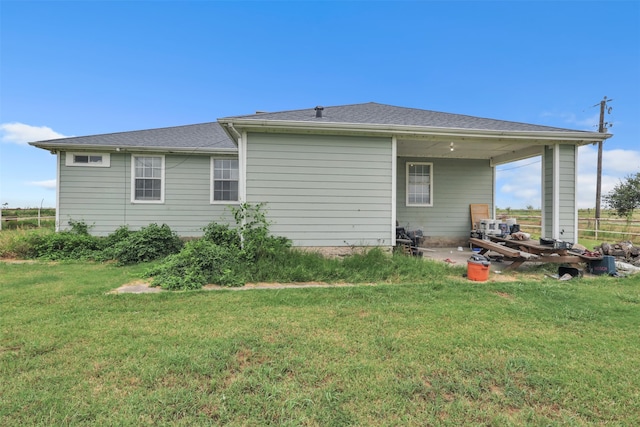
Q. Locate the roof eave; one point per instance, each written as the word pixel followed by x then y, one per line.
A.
pixel 581 137
pixel 51 146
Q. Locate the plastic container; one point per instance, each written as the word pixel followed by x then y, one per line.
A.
pixel 478 268
pixel 607 265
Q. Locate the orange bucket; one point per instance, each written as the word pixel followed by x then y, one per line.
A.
pixel 478 268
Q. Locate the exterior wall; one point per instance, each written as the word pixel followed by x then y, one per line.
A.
pixel 567 181
pixel 456 184
pixel 559 211
pixel 321 190
pixel 547 192
pixel 101 197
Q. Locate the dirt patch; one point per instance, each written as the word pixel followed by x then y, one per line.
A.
pixel 137 287
pixel 268 285
pixel 504 295
pixel 17 261
pixel 142 287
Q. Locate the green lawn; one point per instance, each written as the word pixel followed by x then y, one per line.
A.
pixel 444 352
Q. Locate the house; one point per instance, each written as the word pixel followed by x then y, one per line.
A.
pixel 331 177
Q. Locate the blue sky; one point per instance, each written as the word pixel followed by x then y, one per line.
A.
pixel 89 67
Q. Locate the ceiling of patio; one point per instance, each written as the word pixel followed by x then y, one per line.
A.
pixel 498 151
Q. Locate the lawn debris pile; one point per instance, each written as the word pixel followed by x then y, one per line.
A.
pixel 622 251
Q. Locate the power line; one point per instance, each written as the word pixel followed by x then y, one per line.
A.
pixel 517 167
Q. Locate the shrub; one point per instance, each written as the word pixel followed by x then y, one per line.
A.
pixel 222 234
pixel 149 243
pixel 65 245
pixel 253 227
pixel 226 256
pixel 19 243
pixel 79 227
pixel 198 263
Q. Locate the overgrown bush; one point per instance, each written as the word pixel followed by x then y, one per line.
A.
pixel 147 244
pixel 253 227
pixel 198 263
pixel 224 255
pixel 124 246
pixel 76 244
pixel 222 234
pixel 19 243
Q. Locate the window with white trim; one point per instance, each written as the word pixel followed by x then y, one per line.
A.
pixel 98 160
pixel 147 183
pixel 224 180
pixel 419 184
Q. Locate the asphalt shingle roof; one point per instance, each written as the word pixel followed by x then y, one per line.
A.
pixel 211 136
pixel 382 114
pixel 204 135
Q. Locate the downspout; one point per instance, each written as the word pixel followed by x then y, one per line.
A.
pixel 543 192
pixel 241 172
pixel 242 165
pixel 394 171
pixel 575 195
pixel 555 229
pixel 58 160
pixel 493 192
pixel 242 161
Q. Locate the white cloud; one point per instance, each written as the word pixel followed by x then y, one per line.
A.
pixel 49 184
pixel 19 133
pixel 617 164
pixel 589 123
pixel 519 183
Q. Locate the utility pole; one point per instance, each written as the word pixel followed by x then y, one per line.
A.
pixel 602 128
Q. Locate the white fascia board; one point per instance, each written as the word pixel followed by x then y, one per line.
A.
pixel 570 136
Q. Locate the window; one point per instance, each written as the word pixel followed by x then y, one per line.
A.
pixel 224 180
pixel 99 160
pixel 148 179
pixel 419 184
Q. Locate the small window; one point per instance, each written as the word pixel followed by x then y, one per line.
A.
pixel 99 160
pixel 419 184
pixel 147 185
pixel 224 180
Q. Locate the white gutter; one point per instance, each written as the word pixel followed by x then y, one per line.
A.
pixel 584 137
pixel 233 132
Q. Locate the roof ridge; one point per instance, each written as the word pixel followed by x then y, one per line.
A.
pixel 298 110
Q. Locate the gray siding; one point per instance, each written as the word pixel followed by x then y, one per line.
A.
pixel 547 197
pixel 566 193
pixel 101 197
pixel 456 184
pixel 323 190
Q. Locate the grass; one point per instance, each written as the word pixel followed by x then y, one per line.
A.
pixel 441 351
